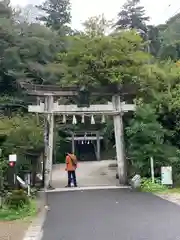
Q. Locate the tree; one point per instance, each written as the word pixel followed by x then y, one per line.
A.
pixel 146 138
pixel 3 168
pixel 56 15
pixel 153 37
pixel 21 134
pixel 102 60
pixel 169 36
pixel 170 32
pixel 5 9
pixel 170 51
pixel 8 38
pixel 26 50
pixel 97 26
pixel 132 16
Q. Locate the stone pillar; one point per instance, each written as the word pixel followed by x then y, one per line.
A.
pixel 98 146
pixel 51 142
pixel 50 137
pixel 119 139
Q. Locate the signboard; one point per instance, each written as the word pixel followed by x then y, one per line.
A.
pixel 12 158
pixel 166 175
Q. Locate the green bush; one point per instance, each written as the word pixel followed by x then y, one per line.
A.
pixel 17 199
pixel 148 186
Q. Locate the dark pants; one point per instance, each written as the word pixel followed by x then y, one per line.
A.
pixel 72 177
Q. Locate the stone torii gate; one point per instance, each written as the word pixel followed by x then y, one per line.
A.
pixel 49 106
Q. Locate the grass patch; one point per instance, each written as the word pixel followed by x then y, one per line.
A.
pixel 27 211
pixel 148 186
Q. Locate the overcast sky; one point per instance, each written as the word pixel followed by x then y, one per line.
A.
pixel 158 10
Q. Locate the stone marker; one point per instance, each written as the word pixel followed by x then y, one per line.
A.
pixel 136 181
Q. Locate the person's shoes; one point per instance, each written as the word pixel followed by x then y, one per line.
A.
pixel 67 186
pixel 75 186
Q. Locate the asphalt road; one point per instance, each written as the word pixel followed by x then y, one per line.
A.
pixel 118 214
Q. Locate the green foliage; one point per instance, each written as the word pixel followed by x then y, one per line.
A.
pixel 153 37
pixel 132 16
pixel 169 36
pixel 56 15
pixel 17 199
pixel 170 51
pixel 97 26
pixel 22 133
pixel 103 60
pixel 170 32
pixel 26 51
pixel 5 9
pixel 3 171
pixel 146 138
pixel 148 186
pixel 25 212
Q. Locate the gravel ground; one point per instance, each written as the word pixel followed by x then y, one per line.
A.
pixel 13 230
pixel 88 174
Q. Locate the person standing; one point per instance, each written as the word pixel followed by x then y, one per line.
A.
pixel 71 166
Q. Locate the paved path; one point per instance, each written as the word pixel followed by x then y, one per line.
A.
pixel 111 215
pixel 88 174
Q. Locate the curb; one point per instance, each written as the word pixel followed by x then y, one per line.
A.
pixel 87 188
pixel 169 197
pixel 35 230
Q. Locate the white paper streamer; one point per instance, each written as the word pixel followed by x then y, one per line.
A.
pixel 74 120
pixel 103 120
pixel 64 119
pixel 82 120
pixel 92 120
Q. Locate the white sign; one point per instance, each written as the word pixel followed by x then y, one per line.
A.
pixel 12 158
pixel 166 175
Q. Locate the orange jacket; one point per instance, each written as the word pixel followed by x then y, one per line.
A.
pixel 69 162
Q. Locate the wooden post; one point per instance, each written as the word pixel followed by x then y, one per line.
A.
pixel 119 139
pixel 98 146
pixel 152 169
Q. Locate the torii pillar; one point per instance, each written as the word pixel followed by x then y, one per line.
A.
pixel 119 139
pixel 49 130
